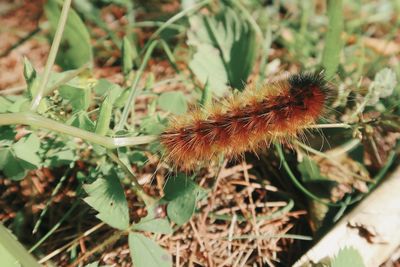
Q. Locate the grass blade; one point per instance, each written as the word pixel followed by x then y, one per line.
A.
pixel 333 42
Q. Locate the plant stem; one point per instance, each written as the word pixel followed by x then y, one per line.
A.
pixel 55 227
pixel 35 120
pixel 173 19
pixel 329 125
pixel 129 103
pixel 297 182
pixel 52 55
pixel 53 194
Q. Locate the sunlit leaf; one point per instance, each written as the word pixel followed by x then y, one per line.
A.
pixel 225 47
pixel 347 257
pixel 75 49
pixel 107 197
pixel 174 102
pixel 147 253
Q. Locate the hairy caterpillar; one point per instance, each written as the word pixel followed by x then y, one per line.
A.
pixel 246 121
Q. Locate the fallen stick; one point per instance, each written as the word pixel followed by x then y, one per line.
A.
pixel 372 228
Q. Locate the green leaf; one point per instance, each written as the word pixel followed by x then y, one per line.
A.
pixel 309 170
pixel 77 94
pixel 311 176
pixel 7 135
pixel 127 59
pixel 333 40
pixel 138 158
pixel 225 49
pixel 82 120
pixel 31 78
pixel 174 102
pixel 26 150
pixel 181 193
pixel 152 125
pixel 103 121
pixel 107 197
pixel 75 49
pixel 21 104
pixel 5 104
pixel 60 158
pixel 154 225
pixel 147 253
pixel 210 69
pixel 347 257
pixel 4 154
pixel 104 87
pixel 11 165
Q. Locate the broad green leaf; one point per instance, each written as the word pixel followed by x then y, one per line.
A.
pixel 12 252
pixel 147 253
pixel 347 257
pixel 138 158
pixel 225 49
pixel 154 225
pixel 152 125
pixel 181 194
pixel 104 87
pixel 4 154
pixel 77 94
pixel 11 165
pixel 21 104
pixel 26 150
pixel 75 49
pixel 7 134
pixel 4 104
pixel 62 157
pixel 210 69
pixel 174 102
pixel 309 170
pixel 107 197
pixel 82 120
pixel 311 176
pixel 127 59
pixel 116 94
pixel 333 40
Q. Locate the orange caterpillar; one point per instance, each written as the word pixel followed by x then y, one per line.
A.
pixel 246 121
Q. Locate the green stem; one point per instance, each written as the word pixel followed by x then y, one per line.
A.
pixel 173 19
pixel 38 121
pixel 53 194
pixel 329 125
pixel 129 103
pixel 143 24
pixel 52 55
pixel 55 227
pixel 297 182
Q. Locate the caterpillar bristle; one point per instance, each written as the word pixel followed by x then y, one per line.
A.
pixel 246 121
